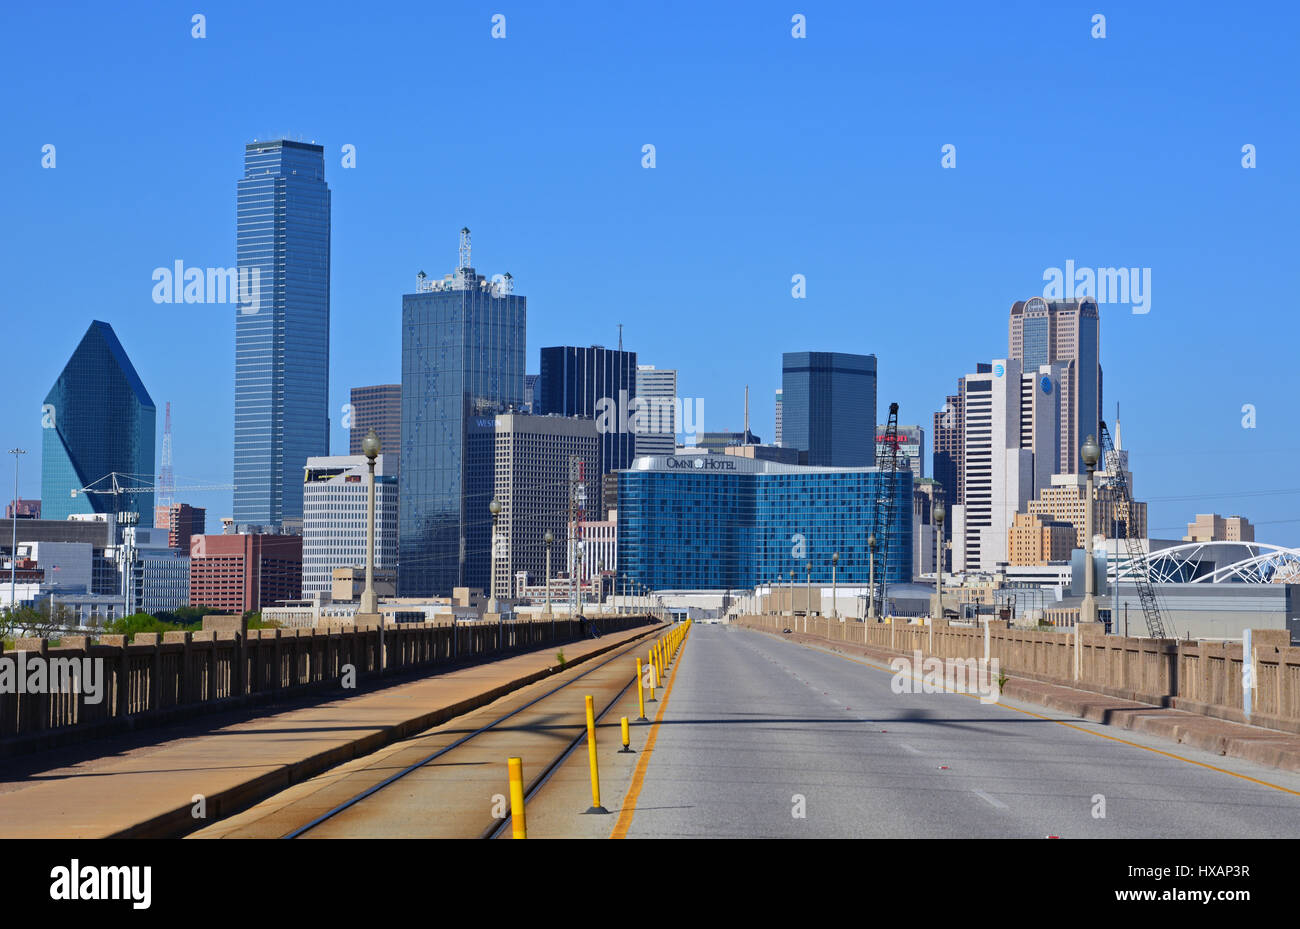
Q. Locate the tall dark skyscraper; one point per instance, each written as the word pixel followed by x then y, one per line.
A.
pixel 1044 332
pixel 282 335
pixel 828 407
pixel 463 347
pixel 378 408
pixel 595 383
pixel 97 418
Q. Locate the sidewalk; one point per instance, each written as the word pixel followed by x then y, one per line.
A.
pixel 152 790
pixel 1267 747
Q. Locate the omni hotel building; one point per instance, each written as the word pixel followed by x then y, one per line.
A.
pixel 694 521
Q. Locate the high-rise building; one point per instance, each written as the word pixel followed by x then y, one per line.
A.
pixel 828 407
pixel 1039 540
pixel 1068 332
pixel 534 456
pixel 1211 527
pixel 335 507
pixel 378 408
pixel 463 344
pixel 155 576
pixel 530 391
pixel 182 523
pixel 98 419
pixel 282 329
pixel 656 393
pixel 1065 501
pixel 777 438
pixel 595 383
pixel 718 441
pixel 244 572
pixel 911 449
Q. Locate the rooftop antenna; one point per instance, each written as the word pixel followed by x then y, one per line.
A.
pixel 746 414
pixel 620 337
pixel 167 478
pixel 1118 443
pixel 464 247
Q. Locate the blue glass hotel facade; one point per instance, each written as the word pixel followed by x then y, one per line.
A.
pixel 708 522
pixel 97 418
pixel 282 328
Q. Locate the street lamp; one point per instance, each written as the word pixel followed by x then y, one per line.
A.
pixel 939 515
pixel 549 538
pixel 1091 453
pixel 791 591
pixel 13 549
pixel 495 509
pixel 807 600
pixel 370 447
pixel 835 608
pixel 871 575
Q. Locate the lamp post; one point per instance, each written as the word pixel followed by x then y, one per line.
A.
pixel 807 599
pixel 1091 453
pixel 940 514
pixel 791 592
pixel 495 509
pixel 370 447
pixel 871 575
pixel 835 603
pixel 549 538
pixel 13 544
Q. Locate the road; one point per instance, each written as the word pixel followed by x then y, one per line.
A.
pixel 763 737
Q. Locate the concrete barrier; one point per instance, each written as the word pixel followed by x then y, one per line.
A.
pixel 158 679
pixel 1198 677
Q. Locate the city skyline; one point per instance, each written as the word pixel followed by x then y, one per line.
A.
pixel 968 284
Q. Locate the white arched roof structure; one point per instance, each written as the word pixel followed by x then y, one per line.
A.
pixel 1263 564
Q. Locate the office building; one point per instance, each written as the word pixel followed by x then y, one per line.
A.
pixel 154 576
pixel 950 444
pixel 595 383
pixel 182 522
pixel 656 396
pixel 1043 332
pixel 911 449
pixel 1211 527
pixel 1039 540
pixel 335 510
pixel 95 532
pixel 97 419
pixel 238 573
pixel 828 407
pixel 282 328
pixel 530 391
pixel 535 463
pixel 720 441
pixel 462 362
pixel 1064 500
pixel 701 521
pixel 378 408
pixel 776 439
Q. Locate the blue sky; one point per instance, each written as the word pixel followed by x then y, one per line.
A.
pixel 775 156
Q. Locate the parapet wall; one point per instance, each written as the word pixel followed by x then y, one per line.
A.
pixel 1199 677
pixel 156 679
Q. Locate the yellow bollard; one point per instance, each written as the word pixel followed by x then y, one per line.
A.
pixel 654 675
pixel 640 692
pixel 518 823
pixel 591 756
pixel 627 738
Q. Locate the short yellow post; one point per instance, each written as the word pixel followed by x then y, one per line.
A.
pixel 591 756
pixel 518 823
pixel 627 738
pixel 654 675
pixel 640 691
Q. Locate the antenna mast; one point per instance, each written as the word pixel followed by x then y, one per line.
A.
pixel 167 478
pixel 464 247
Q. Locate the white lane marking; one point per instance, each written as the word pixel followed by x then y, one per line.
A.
pixel 983 796
pixel 914 751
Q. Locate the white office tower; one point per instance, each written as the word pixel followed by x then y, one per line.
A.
pixel 334 507
pixel 154 576
pixel 656 396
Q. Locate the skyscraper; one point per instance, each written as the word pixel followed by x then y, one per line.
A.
pixel 378 408
pixel 1042 332
pixel 335 495
pixel 97 418
pixel 595 383
pixel 828 407
pixel 282 336
pixel 776 440
pixel 463 345
pixel 656 388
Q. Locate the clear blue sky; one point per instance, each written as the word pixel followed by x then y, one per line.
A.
pixel 775 156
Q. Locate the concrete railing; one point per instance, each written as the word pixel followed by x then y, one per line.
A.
pixel 156 679
pixel 1200 677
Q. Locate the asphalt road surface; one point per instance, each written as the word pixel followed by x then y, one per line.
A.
pixel 766 738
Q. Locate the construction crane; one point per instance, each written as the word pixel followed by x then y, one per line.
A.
pixel 1139 568
pixel 116 483
pixel 884 517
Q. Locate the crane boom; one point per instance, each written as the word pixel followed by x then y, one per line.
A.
pixel 884 517
pixel 1139 568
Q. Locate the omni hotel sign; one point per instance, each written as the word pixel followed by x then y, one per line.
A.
pixel 701 463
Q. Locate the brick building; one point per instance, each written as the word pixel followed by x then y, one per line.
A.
pixel 244 572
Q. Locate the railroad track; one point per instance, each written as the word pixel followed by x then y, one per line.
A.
pixel 446 782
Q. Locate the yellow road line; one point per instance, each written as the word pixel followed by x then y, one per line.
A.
pixel 638 777
pixel 1100 735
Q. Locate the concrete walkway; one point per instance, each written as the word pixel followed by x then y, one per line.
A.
pixel 155 790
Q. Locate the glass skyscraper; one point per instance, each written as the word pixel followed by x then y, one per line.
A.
pixel 828 407
pixel 282 328
pixel 702 522
pixel 463 346
pixel 98 418
pixel 594 383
